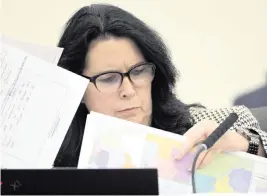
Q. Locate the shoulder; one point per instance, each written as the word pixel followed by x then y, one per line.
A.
pixel 219 111
pixel 245 117
pixel 245 120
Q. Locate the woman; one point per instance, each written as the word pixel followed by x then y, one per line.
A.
pixel 132 77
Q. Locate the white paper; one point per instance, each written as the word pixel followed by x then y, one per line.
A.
pixel 110 142
pixel 38 102
pixel 46 53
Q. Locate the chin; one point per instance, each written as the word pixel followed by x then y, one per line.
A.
pixel 137 120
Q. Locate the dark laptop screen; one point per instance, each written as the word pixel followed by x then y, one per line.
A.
pixel 80 182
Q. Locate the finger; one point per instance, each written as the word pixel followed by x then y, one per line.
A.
pixel 223 144
pixel 208 157
pixel 232 141
pixel 205 158
pixel 228 142
pixel 193 136
pixel 199 160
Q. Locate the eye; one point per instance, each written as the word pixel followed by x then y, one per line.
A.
pixel 109 78
pixel 138 70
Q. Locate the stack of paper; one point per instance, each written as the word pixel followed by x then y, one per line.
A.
pixel 122 144
pixel 38 102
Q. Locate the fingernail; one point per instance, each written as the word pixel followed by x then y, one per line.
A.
pixel 178 157
pixel 175 154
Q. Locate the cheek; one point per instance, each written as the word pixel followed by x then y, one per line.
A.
pixel 98 102
pixel 146 99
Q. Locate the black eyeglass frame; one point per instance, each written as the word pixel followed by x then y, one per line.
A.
pixel 123 74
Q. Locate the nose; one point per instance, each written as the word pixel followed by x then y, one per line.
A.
pixel 127 89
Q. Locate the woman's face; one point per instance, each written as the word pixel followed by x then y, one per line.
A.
pixel 126 101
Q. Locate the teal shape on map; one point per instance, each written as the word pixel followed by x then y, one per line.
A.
pixel 204 183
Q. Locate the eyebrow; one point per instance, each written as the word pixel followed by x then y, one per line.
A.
pixel 116 70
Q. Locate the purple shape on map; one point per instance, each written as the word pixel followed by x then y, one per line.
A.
pixel 183 175
pixel 102 159
pixel 240 180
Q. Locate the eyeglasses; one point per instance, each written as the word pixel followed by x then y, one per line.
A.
pixel 139 75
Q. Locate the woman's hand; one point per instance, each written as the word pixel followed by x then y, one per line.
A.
pixel 230 141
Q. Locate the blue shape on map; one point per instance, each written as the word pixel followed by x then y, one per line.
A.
pixel 102 158
pixel 204 183
pixel 150 153
pixel 240 180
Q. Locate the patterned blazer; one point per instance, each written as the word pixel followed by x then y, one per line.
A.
pixel 245 121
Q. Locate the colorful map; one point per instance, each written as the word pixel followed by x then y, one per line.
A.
pixel 234 175
pixel 107 152
pixel 227 173
pixel 160 152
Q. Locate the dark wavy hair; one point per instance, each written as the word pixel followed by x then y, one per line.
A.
pixel 98 21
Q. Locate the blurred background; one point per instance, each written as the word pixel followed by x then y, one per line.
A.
pixel 219 46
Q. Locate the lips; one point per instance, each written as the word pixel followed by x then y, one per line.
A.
pixel 129 109
pixel 128 112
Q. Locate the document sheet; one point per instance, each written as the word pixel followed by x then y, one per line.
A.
pixel 47 53
pixel 114 143
pixel 38 102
